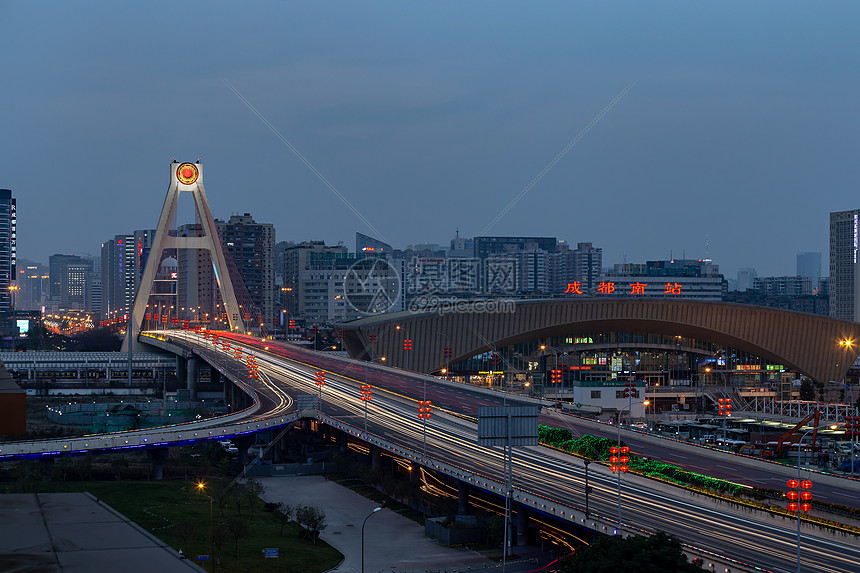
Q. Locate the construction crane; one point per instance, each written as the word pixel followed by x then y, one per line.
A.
pixel 813 416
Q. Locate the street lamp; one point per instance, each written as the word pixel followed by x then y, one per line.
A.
pixel 848 345
pixel 621 466
pixel 725 405
pixel 375 509
pixel 805 496
pixel 407 343
pixel 201 486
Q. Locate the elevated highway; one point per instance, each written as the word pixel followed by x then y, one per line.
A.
pixel 546 483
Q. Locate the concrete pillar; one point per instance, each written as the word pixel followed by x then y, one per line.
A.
pixel 242 444
pixel 180 368
pixel 46 465
pixel 156 458
pixel 522 526
pixel 375 458
pixel 462 497
pixel 191 378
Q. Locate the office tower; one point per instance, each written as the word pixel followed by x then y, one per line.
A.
pixel 366 244
pixel 843 264
pixel 123 259
pixel 746 278
pixel 586 265
pixel 809 265
pixel 8 240
pixel 70 282
pixel 252 248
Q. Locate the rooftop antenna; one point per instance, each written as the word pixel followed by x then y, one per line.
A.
pixel 708 247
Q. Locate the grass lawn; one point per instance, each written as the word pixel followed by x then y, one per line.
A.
pixel 158 505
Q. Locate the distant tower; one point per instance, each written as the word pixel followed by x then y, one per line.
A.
pixel 185 178
pixel 8 241
pixel 844 233
pixel 809 265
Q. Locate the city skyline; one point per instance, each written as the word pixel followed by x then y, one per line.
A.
pixel 734 141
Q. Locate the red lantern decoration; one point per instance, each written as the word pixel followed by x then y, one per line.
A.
pixel 805 507
pixel 806 495
pixel 613 459
pixel 613 450
pixel 625 449
pixel 613 468
pixel 625 469
pixel 793 483
pixel 792 495
pixel 806 484
pixel 792 506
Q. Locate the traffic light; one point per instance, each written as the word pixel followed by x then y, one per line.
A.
pixel 424 409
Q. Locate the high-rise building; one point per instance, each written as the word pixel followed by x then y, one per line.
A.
pixel 586 265
pixel 252 247
pixel 746 278
pixel 8 247
pixel 809 265
pixel 70 282
pixel 843 265
pixel 367 244
pixel 123 260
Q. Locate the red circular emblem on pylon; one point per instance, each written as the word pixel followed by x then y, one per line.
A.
pixel 187 173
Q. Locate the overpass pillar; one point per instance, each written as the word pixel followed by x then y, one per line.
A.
pixel 180 368
pixel 342 442
pixel 242 444
pixel 522 526
pixel 375 458
pixel 156 458
pixel 191 378
pixel 462 497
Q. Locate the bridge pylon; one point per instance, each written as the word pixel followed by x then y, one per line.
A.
pixel 185 178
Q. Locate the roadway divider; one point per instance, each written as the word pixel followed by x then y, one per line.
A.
pixel 778 469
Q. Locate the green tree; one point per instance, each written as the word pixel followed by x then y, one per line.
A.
pixel 659 553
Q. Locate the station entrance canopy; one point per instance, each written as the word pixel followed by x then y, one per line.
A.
pixel 818 347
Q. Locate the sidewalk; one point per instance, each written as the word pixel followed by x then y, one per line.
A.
pixel 393 543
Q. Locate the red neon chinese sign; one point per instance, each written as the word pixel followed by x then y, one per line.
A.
pixel 672 288
pixel 606 288
pixel 638 288
pixel 574 288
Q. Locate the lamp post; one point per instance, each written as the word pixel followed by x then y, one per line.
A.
pixel 587 488
pixel 804 496
pixel 202 487
pixel 407 343
pixel 375 509
pixel 725 405
pixel 848 345
pixel 622 460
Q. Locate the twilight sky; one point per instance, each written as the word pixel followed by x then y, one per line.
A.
pixel 738 137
